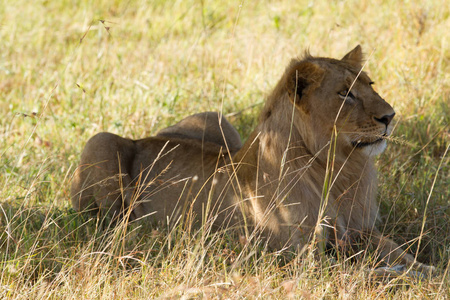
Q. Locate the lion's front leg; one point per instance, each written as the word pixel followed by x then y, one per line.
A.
pixel 392 253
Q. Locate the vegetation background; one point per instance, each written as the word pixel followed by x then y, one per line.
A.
pixel 69 69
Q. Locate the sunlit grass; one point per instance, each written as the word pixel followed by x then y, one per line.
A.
pixel 71 69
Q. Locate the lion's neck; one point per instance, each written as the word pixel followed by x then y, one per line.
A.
pixel 283 132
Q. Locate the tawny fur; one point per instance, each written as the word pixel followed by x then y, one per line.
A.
pixel 206 126
pixel 322 121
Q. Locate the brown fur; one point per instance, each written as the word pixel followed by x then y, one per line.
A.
pixel 310 132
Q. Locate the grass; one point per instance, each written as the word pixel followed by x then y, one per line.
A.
pixel 71 69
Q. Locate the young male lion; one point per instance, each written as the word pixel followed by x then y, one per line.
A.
pixel 306 170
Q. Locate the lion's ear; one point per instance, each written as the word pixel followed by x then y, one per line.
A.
pixel 354 57
pixel 303 77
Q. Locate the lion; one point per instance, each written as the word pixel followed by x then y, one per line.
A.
pixel 305 173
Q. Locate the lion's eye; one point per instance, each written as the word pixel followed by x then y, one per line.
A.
pixel 346 94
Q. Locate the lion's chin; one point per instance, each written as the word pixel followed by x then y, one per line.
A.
pixel 371 148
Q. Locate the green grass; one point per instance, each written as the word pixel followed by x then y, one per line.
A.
pixel 69 69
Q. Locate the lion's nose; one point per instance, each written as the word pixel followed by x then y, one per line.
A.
pixel 386 119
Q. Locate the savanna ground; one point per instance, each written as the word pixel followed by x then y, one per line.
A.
pixel 69 69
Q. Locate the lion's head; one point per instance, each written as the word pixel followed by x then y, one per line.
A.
pixel 335 95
